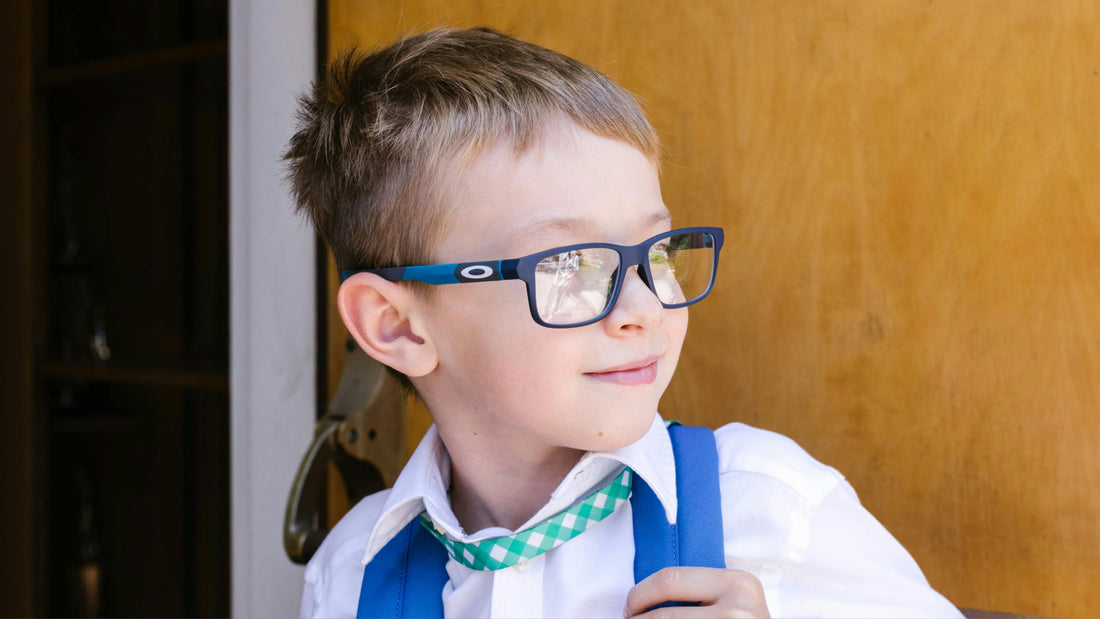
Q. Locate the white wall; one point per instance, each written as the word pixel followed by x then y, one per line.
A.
pixel 273 354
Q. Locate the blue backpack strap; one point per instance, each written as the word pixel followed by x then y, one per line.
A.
pixel 406 578
pixel 696 539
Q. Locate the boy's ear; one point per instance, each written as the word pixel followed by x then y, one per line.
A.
pixel 384 318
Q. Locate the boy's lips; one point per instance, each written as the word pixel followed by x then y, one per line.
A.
pixel 641 372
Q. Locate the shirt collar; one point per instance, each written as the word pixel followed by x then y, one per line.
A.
pixel 422 485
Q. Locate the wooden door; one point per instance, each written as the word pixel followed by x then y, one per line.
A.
pixel 911 282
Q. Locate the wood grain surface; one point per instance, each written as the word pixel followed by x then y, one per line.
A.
pixel 911 281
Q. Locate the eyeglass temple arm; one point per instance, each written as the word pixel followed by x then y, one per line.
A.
pixel 453 273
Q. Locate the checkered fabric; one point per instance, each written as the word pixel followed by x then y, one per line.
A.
pixel 508 550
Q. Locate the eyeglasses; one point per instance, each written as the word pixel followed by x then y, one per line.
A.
pixel 578 285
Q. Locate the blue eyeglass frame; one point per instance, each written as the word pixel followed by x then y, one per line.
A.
pixel 524 269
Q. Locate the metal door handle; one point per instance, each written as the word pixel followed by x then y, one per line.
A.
pixel 302 533
pixel 364 433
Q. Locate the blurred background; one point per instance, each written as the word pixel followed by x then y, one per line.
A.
pixel 910 286
pixel 117 195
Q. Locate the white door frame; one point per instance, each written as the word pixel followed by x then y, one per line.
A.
pixel 272 53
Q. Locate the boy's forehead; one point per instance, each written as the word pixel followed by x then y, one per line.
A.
pixel 507 151
pixel 569 186
pixel 504 153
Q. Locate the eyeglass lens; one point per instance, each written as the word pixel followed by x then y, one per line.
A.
pixel 576 286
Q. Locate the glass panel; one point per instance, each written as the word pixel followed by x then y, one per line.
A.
pixel 574 286
pixel 682 267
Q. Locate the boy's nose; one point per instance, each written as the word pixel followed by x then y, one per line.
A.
pixel 637 306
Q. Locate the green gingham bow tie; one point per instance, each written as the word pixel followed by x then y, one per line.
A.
pixel 508 550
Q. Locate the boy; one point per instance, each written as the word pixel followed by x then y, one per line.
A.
pixel 468 149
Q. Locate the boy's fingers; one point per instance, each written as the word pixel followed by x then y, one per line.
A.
pixel 695 612
pixel 725 593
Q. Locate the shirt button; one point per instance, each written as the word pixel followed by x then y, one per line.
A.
pixel 522 566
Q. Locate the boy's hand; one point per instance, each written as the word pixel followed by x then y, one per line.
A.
pixel 720 593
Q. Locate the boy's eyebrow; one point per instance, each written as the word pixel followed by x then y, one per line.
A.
pixel 580 225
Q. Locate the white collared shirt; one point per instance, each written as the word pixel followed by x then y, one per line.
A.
pixel 792 522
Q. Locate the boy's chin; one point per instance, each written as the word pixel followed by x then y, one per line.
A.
pixel 628 433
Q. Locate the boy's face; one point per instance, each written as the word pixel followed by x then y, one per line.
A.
pixel 518 386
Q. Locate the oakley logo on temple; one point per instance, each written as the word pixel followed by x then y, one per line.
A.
pixel 476 272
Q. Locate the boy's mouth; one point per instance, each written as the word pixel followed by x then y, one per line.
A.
pixel 641 372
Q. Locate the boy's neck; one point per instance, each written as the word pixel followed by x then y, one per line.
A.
pixel 504 492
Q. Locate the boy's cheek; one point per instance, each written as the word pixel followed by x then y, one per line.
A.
pixel 678 319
